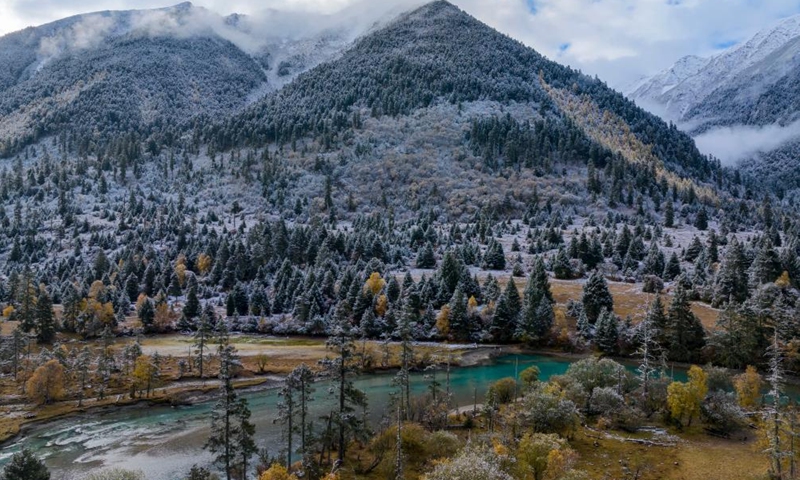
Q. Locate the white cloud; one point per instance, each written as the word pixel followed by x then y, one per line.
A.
pixel 733 144
pixel 619 40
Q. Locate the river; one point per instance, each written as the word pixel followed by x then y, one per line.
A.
pixel 164 442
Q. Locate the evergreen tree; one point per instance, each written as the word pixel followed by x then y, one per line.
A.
pixel 654 262
pixel 450 273
pixel 669 215
pixel 203 336
pixel 459 319
pixel 147 314
pixel 192 307
pixel 561 266
pixel 494 258
pixel 701 219
pixel 340 370
pixel 766 267
pixel 736 338
pixel 231 439
pixel 672 269
pixel 596 296
pixel 685 333
pixel 506 313
pixel 425 257
pixel 25 466
pixel 45 319
pixel 731 280
pixel 537 317
pixel 607 332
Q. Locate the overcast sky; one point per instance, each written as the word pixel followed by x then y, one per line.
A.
pixel 619 40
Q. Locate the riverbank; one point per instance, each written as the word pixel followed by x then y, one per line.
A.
pixel 16 418
pixel 283 355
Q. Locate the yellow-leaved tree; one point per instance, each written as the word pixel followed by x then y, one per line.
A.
pixel 203 263
pixel 443 321
pixel 684 399
pixel 748 387
pixel 47 383
pixel 381 306
pixel 375 283
pixel 277 472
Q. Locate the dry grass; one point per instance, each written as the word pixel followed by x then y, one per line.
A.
pixel 7 328
pixel 695 457
pixel 628 299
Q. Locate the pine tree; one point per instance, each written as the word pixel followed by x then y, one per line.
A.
pixel 203 336
pixel 494 258
pixel 731 280
pixel 649 348
pixel 231 439
pixel 537 317
pixel 25 466
pixel 672 269
pixel 299 386
pixel 561 266
pixel 192 307
pixel 654 262
pixel 766 267
pixel 596 296
pixel 340 370
pixel 773 413
pixel 425 257
pixel 607 331
pixel 669 215
pixel 506 313
pixel 45 319
pixel 701 220
pixel 583 326
pixel 406 325
pixel 685 333
pixel 458 317
pixel 147 314
pixel 450 272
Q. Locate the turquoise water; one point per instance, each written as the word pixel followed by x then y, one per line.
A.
pixel 165 442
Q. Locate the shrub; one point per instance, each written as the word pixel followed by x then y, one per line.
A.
pixel 502 391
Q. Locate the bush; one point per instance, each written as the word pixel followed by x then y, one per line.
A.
pixel 529 377
pixel 502 391
pixel 473 463
pixel 721 411
pixel 546 412
pixel 652 284
pixel 25 466
pixel 117 474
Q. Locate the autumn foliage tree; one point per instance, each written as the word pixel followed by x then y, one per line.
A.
pixel 684 398
pixel 47 383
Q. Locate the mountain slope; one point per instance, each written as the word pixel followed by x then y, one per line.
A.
pixel 432 55
pixel 116 73
pixel 703 93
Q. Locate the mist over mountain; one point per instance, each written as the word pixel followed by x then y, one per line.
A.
pixel 740 105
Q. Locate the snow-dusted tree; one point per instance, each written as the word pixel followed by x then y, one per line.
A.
pixel 340 370
pixel 231 439
pixel 685 334
pixel 774 421
pixel 596 296
pixel 506 312
pixel 202 337
pixel 536 318
pixel 607 331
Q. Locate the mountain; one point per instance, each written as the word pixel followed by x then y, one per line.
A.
pixel 742 105
pixel 432 116
pixel 750 83
pixel 153 72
